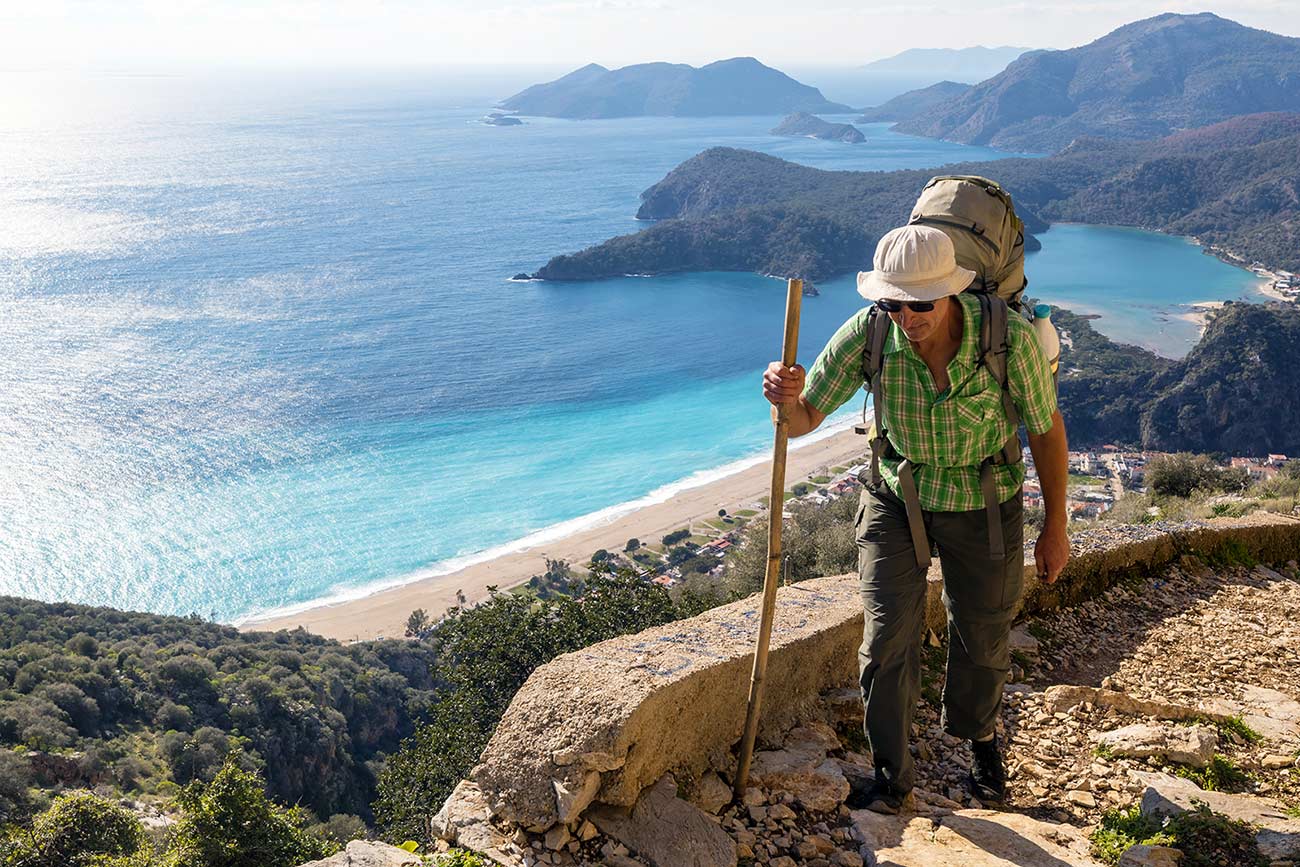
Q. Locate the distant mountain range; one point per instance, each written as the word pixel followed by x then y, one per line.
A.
pixel 956 64
pixel 914 103
pixel 1142 81
pixel 737 86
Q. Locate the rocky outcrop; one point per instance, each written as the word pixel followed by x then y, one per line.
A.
pixel 1143 855
pixel 1193 746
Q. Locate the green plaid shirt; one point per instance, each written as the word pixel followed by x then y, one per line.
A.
pixel 946 434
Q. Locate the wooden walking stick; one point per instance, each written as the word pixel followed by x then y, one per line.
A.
pixel 775 509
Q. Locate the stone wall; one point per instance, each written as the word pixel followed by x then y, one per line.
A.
pixel 599 727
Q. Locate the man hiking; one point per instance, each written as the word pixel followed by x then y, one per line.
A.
pixel 942 422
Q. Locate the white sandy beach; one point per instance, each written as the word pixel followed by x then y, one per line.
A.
pixel 384 613
pixel 1200 316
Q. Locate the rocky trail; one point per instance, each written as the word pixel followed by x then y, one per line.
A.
pixel 1177 689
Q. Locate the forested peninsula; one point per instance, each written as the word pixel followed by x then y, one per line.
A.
pixel 1231 185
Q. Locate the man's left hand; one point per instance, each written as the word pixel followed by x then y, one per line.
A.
pixel 1051 552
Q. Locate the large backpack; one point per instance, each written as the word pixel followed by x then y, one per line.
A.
pixel 987 235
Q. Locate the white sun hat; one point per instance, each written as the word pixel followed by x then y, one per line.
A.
pixel 914 263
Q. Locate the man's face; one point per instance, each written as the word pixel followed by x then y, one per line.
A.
pixel 920 326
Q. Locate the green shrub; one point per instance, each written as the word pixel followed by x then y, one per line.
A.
pixel 1120 829
pixel 1236 726
pixel 1206 838
pixel 1178 475
pixel 1221 775
pixel 1209 839
pixel 231 823
pixel 77 830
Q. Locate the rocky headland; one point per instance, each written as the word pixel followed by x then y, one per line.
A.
pixel 914 103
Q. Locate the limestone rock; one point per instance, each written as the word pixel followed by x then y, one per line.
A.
pixel 816 781
pixel 711 793
pixel 1150 856
pixel 558 837
pixel 465 821
pixel 1279 834
pixel 1080 798
pixel 812 737
pixel 1185 745
pixel 1021 641
pixel 572 798
pixel 970 838
pixel 666 830
pixel 1063 698
pixel 844 705
pixel 465 806
pixel 368 853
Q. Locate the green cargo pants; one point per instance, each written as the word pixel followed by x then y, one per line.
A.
pixel 980 596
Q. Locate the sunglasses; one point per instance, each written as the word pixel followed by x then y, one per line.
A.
pixel 890 306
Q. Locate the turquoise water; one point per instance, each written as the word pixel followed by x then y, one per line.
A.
pixel 261 348
pixel 1136 282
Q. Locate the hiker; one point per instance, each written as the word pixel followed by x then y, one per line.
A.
pixel 943 475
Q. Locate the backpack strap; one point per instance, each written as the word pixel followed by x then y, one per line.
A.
pixel 872 364
pixel 995 348
pixel 877 331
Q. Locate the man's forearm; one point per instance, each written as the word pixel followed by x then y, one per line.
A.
pixel 798 417
pixel 1052 459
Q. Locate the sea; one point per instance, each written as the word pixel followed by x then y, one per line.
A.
pixel 260 347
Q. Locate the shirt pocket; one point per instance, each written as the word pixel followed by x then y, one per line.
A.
pixel 975 413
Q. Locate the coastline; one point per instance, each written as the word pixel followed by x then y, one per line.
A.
pixel 1200 316
pixel 383 614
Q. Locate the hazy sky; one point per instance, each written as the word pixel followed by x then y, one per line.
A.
pixel 152 33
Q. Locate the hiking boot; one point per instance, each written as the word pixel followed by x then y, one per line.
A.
pixel 878 797
pixel 988 779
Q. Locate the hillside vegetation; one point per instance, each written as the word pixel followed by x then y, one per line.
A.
pixel 1233 393
pixel 144 704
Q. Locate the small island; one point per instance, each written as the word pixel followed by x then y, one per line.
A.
pixel 502 120
pixel 737 86
pixel 801 123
